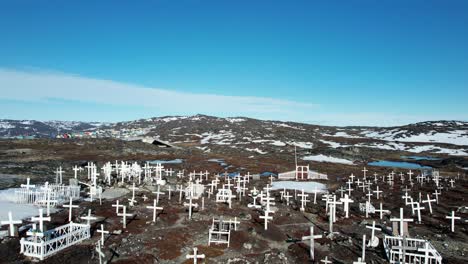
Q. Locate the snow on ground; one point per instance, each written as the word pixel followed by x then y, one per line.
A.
pixel 333 144
pixel 221 136
pixel 308 186
pixel 235 120
pixel 278 143
pixel 455 137
pixel 344 135
pixel 323 158
pixel 387 146
pixel 173 118
pixel 416 149
pixel 306 145
pixel 19 211
pixel 256 150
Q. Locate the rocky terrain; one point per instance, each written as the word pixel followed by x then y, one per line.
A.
pixel 244 145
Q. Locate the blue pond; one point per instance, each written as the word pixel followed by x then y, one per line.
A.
pixel 175 161
pixel 420 158
pixel 398 164
pixel 268 174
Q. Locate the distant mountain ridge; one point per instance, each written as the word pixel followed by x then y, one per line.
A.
pixel 260 136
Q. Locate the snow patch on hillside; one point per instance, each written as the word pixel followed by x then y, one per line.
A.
pixel 323 158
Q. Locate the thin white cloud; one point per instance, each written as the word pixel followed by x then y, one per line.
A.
pixel 43 85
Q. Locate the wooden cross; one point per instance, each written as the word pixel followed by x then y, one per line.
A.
pixel 100 253
pixel 428 201
pixel 158 192
pixel 373 228
pixel 88 218
pixel 311 238
pixel 402 220
pixel 41 220
pixel 70 209
pixel 453 218
pixel 117 206
pixel 11 223
pixel 346 201
pixel 124 215
pixel 155 208
pixel 195 256
pixel 27 185
pixel 266 217
pixel 103 232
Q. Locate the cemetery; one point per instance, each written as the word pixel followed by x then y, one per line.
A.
pixel 109 201
pixel 154 210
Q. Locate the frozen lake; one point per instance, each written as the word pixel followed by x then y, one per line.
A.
pixel 398 164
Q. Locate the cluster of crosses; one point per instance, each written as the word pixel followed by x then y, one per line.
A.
pixel 225 189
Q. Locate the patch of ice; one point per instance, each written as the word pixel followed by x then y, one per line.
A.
pixel 323 158
pixel 308 186
pixel 19 211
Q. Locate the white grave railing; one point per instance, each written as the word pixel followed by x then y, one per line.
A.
pixel 395 254
pixel 40 195
pixel 311 175
pixel 54 240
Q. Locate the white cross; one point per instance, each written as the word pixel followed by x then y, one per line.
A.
pixel 154 207
pixel 381 211
pixel 401 220
pixel 311 238
pixel 158 192
pixel 436 193
pixel 11 223
pixel 103 232
pixel 346 201
pixel 70 209
pixel 266 217
pixel 88 218
pixel 326 261
pixel 195 256
pixel 303 200
pixel 373 228
pixel 59 175
pixel 41 220
pixel 452 181
pixel 124 216
pixel 452 218
pixel 428 201
pixel 190 205
pixel 287 196
pixel 377 192
pixel 364 170
pixel 27 185
pixel 410 173
pixel 418 208
pixel 100 253
pixel 117 206
pixel 76 169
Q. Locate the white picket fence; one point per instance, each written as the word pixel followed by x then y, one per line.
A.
pixel 54 240
pixel 311 175
pixel 57 193
pixel 411 254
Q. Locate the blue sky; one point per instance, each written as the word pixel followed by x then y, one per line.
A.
pixel 327 62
